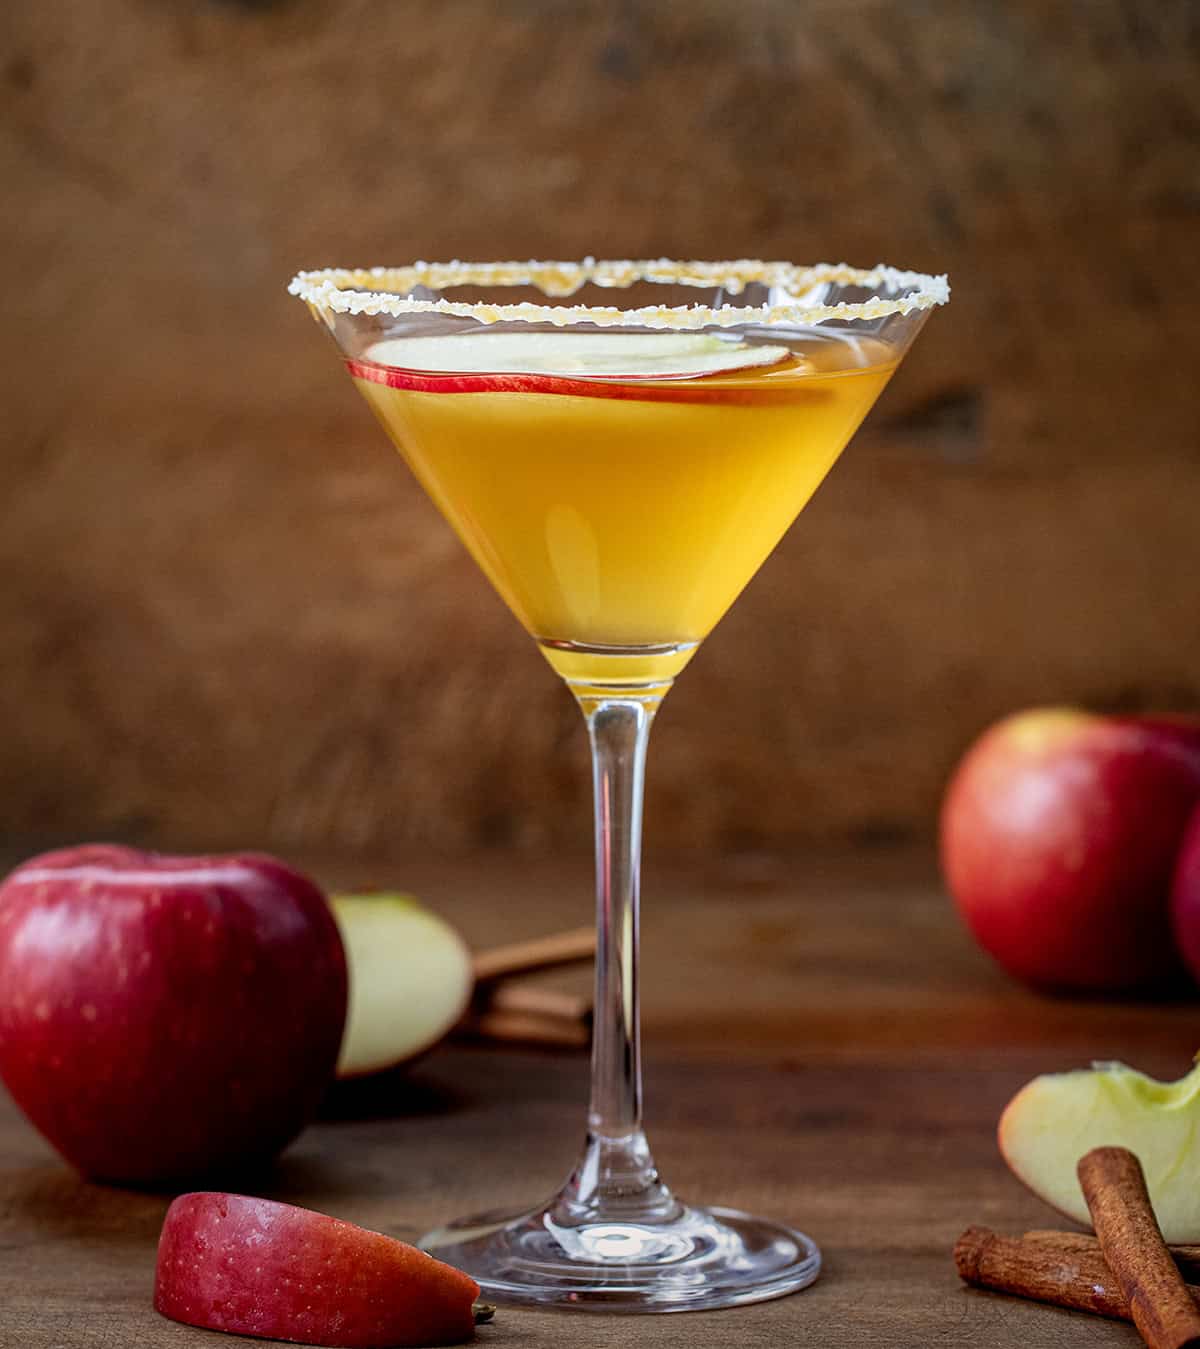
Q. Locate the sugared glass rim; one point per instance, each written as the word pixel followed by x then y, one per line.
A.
pixel 385 290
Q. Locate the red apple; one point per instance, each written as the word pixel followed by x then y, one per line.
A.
pixel 255 1267
pixel 1185 897
pixel 1059 834
pixel 163 1017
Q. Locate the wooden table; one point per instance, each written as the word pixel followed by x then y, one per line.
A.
pixel 823 1045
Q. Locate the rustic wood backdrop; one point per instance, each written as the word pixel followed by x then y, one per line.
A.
pixel 227 613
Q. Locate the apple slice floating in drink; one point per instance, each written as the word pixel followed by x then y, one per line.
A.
pixel 256 1267
pixel 598 355
pixel 627 365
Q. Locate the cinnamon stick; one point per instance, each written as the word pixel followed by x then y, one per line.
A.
pixel 1066 1269
pixel 552 1002
pixel 1186 1257
pixel 525 1028
pixel 542 953
pixel 1159 1302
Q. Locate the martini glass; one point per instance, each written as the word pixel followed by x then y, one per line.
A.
pixel 620 445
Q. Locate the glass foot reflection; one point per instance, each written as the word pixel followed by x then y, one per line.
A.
pixel 698 1258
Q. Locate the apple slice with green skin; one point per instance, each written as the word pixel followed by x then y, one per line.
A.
pixel 1056 1118
pixel 661 366
pixel 411 979
pixel 256 1267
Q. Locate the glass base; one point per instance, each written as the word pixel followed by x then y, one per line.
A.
pixel 697 1260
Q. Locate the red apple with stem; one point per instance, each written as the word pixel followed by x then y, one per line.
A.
pixel 256 1267
pixel 1059 835
pixel 164 1017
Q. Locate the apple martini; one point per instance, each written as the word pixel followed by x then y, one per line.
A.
pixel 620 445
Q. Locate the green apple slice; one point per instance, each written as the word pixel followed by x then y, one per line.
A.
pixel 1053 1120
pixel 604 354
pixel 411 979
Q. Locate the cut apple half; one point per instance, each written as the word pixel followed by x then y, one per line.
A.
pixel 1058 1117
pixel 411 979
pixel 598 355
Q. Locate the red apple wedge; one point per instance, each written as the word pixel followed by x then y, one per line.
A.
pixel 1056 1118
pixel 255 1267
pixel 1059 835
pixel 165 1017
pixel 411 980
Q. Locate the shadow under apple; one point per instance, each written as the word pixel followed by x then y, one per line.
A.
pixel 398 1094
pixel 56 1201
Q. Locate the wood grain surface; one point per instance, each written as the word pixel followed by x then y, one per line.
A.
pixel 824 1046
pixel 226 609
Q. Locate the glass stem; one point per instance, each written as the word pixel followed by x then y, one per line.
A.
pixel 619 733
pixel 617 1177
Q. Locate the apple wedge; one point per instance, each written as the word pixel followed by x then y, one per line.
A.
pixel 411 979
pixel 1056 1118
pixel 256 1267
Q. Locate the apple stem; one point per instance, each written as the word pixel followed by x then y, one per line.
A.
pixel 484 1312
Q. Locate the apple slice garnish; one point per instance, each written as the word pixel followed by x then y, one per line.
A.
pixel 662 366
pixel 256 1267
pixel 411 979
pixel 605 354
pixel 1058 1117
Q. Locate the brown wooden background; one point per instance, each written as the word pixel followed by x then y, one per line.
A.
pixel 226 612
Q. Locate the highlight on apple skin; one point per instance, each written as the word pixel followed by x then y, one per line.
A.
pixel 167 1017
pixel 1185 897
pixel 256 1267
pixel 1059 835
pixel 411 979
pixel 1053 1120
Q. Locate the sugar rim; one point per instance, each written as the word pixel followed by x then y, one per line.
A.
pixel 382 290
